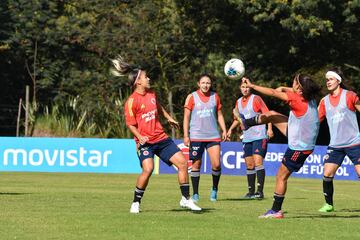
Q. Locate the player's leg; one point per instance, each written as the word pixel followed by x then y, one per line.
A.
pixel 169 153
pixel 196 150
pixel 260 153
pixel 332 161
pixel 141 183
pixel 213 149
pixel 250 170
pixel 277 119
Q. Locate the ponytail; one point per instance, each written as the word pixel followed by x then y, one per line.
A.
pixel 122 68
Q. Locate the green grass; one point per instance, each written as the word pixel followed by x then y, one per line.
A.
pixel 96 206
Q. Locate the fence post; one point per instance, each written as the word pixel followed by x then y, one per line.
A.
pixel 27 105
pixel 18 118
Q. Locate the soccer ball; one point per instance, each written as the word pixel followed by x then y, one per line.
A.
pixel 234 69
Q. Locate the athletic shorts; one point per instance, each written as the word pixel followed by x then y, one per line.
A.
pixel 255 147
pixel 294 159
pixel 196 149
pixel 164 149
pixel 337 155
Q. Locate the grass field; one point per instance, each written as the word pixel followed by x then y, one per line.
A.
pixel 96 206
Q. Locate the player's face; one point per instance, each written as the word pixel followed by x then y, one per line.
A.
pixel 144 80
pixel 245 90
pixel 204 84
pixel 332 83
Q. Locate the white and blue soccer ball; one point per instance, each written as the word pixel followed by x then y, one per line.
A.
pixel 234 69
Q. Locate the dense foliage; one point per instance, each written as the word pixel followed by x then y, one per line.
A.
pixel 62 49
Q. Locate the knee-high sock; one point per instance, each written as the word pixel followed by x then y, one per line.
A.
pixel 260 174
pixel 328 189
pixel 195 179
pixel 216 178
pixel 138 194
pixel 278 201
pixel 251 175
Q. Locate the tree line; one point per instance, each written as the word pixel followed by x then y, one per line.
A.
pixel 62 49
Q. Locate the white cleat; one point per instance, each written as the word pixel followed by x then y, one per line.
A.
pixel 189 204
pixel 135 207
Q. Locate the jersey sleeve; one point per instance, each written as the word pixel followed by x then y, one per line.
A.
pixel 130 112
pixel 351 100
pixel 259 105
pixel 218 102
pixel 297 103
pixel 322 110
pixel 189 102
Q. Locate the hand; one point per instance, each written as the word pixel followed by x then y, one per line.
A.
pixel 228 135
pixel 143 140
pixel 173 123
pixel 223 136
pixel 270 133
pixel 247 81
pixel 187 141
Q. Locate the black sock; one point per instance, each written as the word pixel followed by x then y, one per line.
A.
pixel 216 178
pixel 251 121
pixel 260 174
pixel 195 179
pixel 185 190
pixel 138 194
pixel 251 175
pixel 328 189
pixel 278 201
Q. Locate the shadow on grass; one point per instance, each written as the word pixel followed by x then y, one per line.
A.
pixel 13 193
pixel 203 211
pixel 349 210
pixel 325 215
pixel 240 199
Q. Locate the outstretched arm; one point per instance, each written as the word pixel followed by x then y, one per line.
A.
pixel 280 94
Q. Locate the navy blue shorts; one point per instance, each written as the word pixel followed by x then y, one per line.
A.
pixel 294 159
pixel 337 155
pixel 196 149
pixel 164 149
pixel 255 147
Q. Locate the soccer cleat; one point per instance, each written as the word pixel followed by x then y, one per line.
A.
pixel 327 208
pixel 272 214
pixel 135 207
pixel 213 195
pixel 189 204
pixel 259 195
pixel 249 196
pixel 241 118
pixel 195 197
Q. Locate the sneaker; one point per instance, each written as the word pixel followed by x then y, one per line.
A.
pixel 189 204
pixel 249 196
pixel 135 207
pixel 241 118
pixel 272 214
pixel 259 195
pixel 327 208
pixel 213 195
pixel 195 197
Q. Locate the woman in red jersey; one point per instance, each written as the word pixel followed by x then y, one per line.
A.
pixel 202 113
pixel 301 129
pixel 339 107
pixel 255 140
pixel 142 112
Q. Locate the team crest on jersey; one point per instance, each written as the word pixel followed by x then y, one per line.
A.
pixel 153 101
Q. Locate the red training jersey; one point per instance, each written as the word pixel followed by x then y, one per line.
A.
pixel 351 100
pixel 141 111
pixel 297 103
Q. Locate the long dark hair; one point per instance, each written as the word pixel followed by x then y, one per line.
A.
pixel 122 68
pixel 310 88
pixel 341 74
